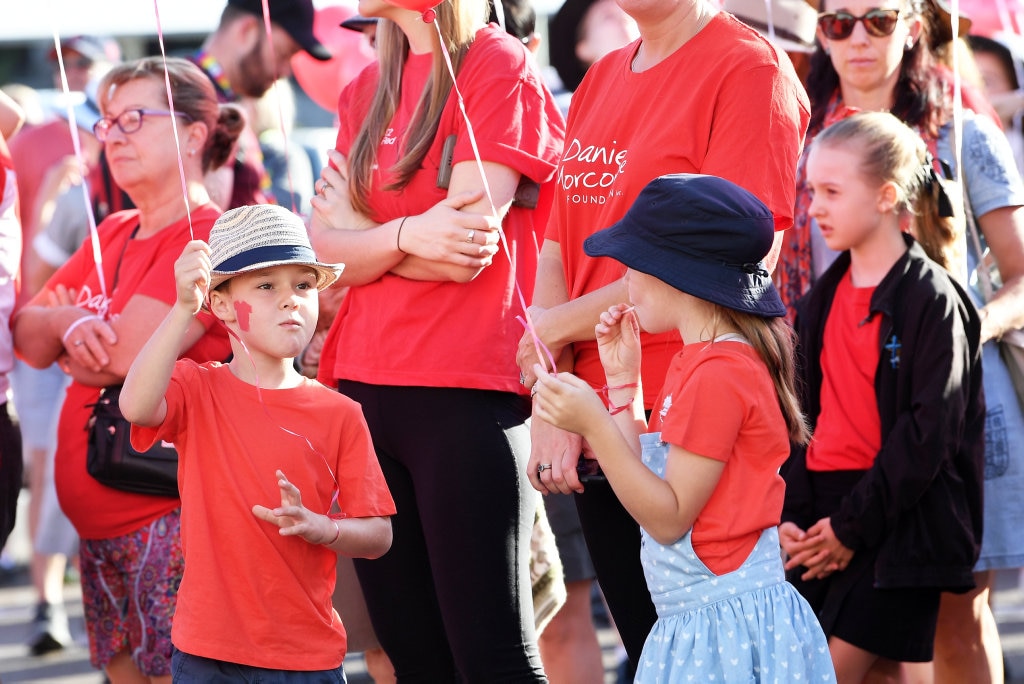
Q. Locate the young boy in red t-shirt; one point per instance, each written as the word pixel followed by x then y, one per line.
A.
pixel 248 432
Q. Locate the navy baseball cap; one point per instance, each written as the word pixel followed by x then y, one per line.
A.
pixel 295 17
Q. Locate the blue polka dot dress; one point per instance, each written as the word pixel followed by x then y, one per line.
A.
pixel 749 625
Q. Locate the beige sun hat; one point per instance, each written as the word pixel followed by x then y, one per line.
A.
pixel 789 24
pixel 260 236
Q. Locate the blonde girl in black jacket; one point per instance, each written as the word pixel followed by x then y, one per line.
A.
pixel 883 509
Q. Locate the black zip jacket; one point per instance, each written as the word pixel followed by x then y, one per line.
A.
pixel 920 504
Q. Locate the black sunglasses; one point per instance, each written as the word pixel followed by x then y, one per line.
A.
pixel 839 25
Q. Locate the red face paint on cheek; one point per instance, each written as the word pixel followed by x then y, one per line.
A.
pixel 242 311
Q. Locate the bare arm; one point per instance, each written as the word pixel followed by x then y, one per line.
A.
pixel 438 236
pixel 1004 233
pixel 666 508
pixel 38 330
pixel 142 397
pixel 12 116
pixel 502 182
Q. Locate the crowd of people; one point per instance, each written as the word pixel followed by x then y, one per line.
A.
pixel 719 295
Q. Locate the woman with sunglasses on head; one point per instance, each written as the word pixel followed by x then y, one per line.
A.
pixel 873 56
pixel 93 316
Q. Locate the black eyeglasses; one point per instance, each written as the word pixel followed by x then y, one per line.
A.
pixel 839 25
pixel 129 121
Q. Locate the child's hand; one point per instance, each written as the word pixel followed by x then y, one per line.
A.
pixel 790 538
pixel 819 550
pixel 192 275
pixel 565 401
pixel 293 518
pixel 618 343
pixel 834 557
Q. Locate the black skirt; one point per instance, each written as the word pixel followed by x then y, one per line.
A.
pixel 898 624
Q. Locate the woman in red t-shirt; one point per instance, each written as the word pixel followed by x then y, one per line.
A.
pixel 92 319
pixel 425 339
pixel 710 96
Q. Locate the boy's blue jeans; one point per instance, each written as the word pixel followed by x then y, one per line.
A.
pixel 189 669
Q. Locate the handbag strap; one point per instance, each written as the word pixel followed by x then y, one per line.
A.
pixel 120 258
pixel 973 233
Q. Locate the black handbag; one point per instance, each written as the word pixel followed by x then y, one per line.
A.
pixel 112 461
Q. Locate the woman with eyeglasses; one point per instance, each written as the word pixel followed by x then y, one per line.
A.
pixel 93 316
pixel 873 56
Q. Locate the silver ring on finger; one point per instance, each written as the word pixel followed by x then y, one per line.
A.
pixel 542 467
pixel 470 236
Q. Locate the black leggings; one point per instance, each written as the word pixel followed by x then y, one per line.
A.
pixel 613 539
pixel 451 601
pixel 11 470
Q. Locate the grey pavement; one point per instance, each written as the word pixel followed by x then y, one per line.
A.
pixel 71 665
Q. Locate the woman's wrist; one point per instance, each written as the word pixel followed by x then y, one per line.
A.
pixel 398 235
pixel 335 536
pixel 77 322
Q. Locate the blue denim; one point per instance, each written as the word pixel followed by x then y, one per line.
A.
pixel 189 669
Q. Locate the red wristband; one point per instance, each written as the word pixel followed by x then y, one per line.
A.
pixel 612 408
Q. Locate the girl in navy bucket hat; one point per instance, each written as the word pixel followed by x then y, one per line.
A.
pixel 693 246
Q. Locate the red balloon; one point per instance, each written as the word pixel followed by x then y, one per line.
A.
pixel 324 81
pixel 987 20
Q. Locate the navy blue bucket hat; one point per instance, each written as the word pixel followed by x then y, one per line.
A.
pixel 702 235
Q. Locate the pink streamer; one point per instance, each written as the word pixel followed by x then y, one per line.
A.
pixel 266 410
pixel 174 126
pixel 76 143
pixel 525 319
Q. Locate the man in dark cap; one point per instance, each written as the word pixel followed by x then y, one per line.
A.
pixel 239 58
pixel 242 61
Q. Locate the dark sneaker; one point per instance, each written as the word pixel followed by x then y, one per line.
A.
pixel 50 630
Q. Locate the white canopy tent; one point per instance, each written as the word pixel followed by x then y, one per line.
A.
pixel 37 19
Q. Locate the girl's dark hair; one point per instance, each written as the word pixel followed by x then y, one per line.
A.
pixel 922 97
pixel 193 95
pixel 988 46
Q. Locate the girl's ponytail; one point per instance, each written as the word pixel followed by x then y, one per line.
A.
pixel 933 224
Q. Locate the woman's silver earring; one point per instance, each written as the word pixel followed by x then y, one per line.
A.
pixel 910 43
